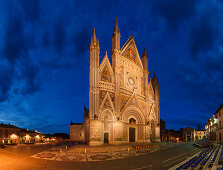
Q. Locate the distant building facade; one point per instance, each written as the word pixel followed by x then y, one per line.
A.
pixel 123 102
pixel 200 134
pixel 164 133
pixel 214 128
pixel 10 134
pixel 189 134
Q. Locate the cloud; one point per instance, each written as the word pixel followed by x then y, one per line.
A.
pixel 6 80
pixel 206 30
pixel 174 11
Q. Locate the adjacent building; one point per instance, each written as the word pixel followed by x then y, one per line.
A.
pixel 189 134
pixel 214 129
pixel 123 100
pixel 10 134
pixel 164 133
pixel 200 134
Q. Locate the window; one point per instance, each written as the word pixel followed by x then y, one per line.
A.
pixel 132 120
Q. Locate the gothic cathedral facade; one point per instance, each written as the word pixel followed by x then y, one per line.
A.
pixel 123 102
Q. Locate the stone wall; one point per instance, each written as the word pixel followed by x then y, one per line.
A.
pixel 77 133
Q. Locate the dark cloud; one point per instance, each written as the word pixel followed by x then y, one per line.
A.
pixel 29 74
pixel 205 32
pixel 59 35
pixel 174 11
pixel 6 80
pixel 31 10
pixel 14 39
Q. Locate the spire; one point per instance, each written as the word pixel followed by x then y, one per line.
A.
pixel 116 25
pixel 144 59
pixel 116 38
pixel 154 75
pixel 94 36
pixel 144 52
pixel 94 41
pixel 97 43
pixel 106 53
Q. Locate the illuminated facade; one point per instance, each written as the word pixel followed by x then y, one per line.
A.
pixel 189 134
pixel 214 128
pixel 200 134
pixel 123 101
pixel 10 134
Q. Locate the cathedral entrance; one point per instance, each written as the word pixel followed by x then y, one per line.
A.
pixel 105 137
pixel 131 134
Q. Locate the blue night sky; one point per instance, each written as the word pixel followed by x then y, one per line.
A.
pixel 44 57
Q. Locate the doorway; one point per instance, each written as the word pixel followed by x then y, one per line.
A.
pixel 131 134
pixel 105 137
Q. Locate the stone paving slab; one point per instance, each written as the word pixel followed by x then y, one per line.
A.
pixel 60 154
pixel 67 156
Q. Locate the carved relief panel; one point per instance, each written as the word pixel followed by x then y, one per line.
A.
pixel 121 76
pixel 102 94
pixel 124 100
pixel 142 86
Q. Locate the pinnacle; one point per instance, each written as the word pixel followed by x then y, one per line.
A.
pixel 94 36
pixel 116 25
pixel 144 52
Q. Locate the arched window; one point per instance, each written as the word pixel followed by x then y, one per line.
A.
pixel 132 120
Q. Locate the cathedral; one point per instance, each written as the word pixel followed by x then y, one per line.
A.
pixel 123 101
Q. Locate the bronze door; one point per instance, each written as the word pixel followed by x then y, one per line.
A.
pixel 105 137
pixel 131 134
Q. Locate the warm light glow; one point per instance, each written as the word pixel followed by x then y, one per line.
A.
pixel 13 136
pixel 27 136
pixel 37 136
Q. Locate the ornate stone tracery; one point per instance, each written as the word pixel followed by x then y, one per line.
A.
pixel 122 102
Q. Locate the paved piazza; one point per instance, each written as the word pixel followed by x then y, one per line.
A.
pixel 65 155
pixel 49 156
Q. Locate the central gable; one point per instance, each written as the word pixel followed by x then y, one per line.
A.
pixel 129 50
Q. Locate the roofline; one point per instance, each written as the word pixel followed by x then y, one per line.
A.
pixel 127 42
pixel 221 107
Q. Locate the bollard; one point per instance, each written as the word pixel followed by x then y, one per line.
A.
pixel 85 151
pixel 66 147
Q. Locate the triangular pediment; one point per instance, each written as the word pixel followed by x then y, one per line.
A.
pixel 133 101
pixel 107 103
pixel 105 70
pixel 130 51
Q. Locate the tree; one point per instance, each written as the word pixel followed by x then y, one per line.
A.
pixel 199 127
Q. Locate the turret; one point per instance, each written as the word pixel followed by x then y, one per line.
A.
pixel 93 76
pixel 116 38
